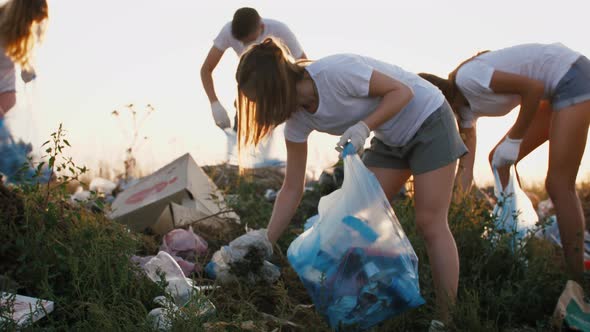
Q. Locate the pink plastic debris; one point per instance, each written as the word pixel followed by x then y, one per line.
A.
pixel 184 246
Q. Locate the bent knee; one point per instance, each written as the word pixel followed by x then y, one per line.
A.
pixel 432 226
pixel 556 185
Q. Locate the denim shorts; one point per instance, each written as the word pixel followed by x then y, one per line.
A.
pixel 436 144
pixel 574 86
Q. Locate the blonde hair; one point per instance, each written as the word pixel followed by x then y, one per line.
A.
pixel 18 18
pixel 266 77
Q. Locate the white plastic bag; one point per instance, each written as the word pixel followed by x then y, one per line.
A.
pixel 355 260
pixel 179 286
pixel 514 211
pixel 251 249
pixel 182 290
pixel 269 153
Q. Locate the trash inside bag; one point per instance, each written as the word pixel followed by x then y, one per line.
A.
pixel 354 258
pixel 514 211
pixel 245 258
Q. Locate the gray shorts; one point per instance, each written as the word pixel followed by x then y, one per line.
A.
pixel 574 86
pixel 436 144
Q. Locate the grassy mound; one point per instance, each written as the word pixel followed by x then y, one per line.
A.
pixel 52 249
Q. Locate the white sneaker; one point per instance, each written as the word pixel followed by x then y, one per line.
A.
pixel 436 326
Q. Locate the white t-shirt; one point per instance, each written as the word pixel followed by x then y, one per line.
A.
pixel 272 28
pixel 544 62
pixel 7 73
pixel 342 82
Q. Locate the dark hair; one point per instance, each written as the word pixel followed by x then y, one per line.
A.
pixel 448 86
pixel 245 22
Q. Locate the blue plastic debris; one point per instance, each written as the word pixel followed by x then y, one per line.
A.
pixel 14 159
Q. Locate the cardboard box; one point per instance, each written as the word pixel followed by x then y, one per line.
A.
pixel 26 309
pixel 174 196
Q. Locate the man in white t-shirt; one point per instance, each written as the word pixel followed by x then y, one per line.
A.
pixel 246 28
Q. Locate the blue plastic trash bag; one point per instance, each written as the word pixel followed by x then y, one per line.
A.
pixel 354 259
pixel 310 222
pixel 14 159
pixel 514 211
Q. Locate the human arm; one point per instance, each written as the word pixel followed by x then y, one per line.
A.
pixel 394 97
pixel 218 111
pixel 531 93
pixel 464 179
pixel 291 192
pixel 207 68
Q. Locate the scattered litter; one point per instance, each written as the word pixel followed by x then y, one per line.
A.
pixel 26 310
pixel 572 311
pixel 244 259
pixel 181 289
pixel 354 258
pixel 550 232
pixel 280 321
pixel 80 195
pixel 176 195
pixel 102 186
pixel 545 209
pixel 184 246
pixel 514 211
pixel 270 195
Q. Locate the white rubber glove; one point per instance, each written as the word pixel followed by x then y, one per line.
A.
pixel 247 256
pixel 507 152
pixel 28 75
pixel 253 239
pixel 356 135
pixel 220 115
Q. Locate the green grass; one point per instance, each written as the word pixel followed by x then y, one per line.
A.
pixel 53 250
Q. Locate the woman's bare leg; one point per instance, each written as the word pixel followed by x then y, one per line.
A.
pixel 567 141
pixel 432 194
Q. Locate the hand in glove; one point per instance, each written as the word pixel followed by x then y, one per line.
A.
pixel 356 135
pixel 220 115
pixel 245 258
pixel 28 75
pixel 254 240
pixel 506 153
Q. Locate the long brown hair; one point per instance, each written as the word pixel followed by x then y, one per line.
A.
pixel 449 86
pixel 18 18
pixel 266 77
